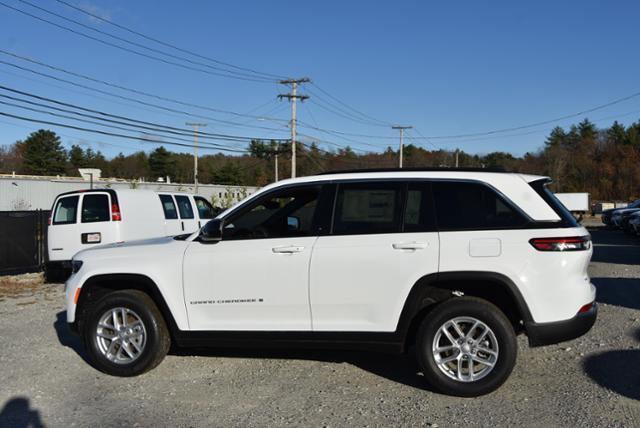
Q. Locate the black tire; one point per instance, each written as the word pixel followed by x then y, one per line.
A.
pixel 157 342
pixel 483 311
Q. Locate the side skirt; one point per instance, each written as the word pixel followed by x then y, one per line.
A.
pixel 381 342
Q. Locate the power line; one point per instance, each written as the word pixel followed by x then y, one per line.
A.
pixel 135 100
pixel 381 122
pixel 112 134
pixel 122 39
pixel 171 129
pixel 133 51
pixel 166 44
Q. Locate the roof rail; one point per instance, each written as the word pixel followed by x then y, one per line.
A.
pixel 416 169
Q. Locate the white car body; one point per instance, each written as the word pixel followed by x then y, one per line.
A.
pixel 350 283
pixel 85 219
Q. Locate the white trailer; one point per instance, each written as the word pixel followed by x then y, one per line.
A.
pixel 575 202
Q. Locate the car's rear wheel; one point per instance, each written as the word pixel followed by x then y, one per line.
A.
pixel 466 347
pixel 125 334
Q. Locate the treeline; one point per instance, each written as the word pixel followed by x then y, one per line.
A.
pixel 604 162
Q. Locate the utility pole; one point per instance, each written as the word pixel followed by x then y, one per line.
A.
pixel 196 126
pixel 276 167
pixel 293 96
pixel 457 153
pixel 401 128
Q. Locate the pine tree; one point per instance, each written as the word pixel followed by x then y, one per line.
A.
pixel 43 154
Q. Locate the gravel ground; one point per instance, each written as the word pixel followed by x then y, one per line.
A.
pixel 591 381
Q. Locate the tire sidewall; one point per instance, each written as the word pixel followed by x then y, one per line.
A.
pixel 488 314
pixel 151 324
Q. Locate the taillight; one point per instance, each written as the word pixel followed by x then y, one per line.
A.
pixel 115 213
pixel 586 308
pixel 49 220
pixel 570 243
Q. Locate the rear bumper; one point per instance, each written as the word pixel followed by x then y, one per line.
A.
pixel 541 334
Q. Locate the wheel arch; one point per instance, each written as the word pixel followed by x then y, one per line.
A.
pixel 98 285
pixel 434 288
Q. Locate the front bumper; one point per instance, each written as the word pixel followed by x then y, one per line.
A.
pixel 548 333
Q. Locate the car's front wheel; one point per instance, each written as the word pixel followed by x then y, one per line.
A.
pixel 466 347
pixel 125 334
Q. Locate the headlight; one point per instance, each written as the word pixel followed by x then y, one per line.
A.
pixel 76 265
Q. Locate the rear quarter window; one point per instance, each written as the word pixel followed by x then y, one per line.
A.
pixel 95 208
pixel 66 210
pixel 474 206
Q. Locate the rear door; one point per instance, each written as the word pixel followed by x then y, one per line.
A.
pixel 382 241
pixel 172 224
pixel 188 220
pixel 63 240
pixel 95 225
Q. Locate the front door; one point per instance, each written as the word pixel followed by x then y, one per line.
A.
pixel 383 240
pixel 256 278
pixel 188 221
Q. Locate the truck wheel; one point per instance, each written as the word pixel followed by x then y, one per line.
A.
pixel 125 334
pixel 466 347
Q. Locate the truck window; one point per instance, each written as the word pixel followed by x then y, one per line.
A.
pixel 169 208
pixel 205 209
pixel 65 212
pixel 95 208
pixel 184 206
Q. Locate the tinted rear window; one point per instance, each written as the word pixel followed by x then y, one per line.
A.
pixel 65 211
pixel 95 208
pixel 184 206
pixel 473 206
pixel 169 208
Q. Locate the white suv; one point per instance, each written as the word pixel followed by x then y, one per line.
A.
pixel 450 263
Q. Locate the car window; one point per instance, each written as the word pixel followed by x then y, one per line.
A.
pixel 287 213
pixel 169 208
pixel 473 206
pixel 95 208
pixel 65 212
pixel 364 208
pixel 184 207
pixel 419 212
pixel 205 209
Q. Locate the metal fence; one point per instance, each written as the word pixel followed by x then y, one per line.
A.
pixel 23 241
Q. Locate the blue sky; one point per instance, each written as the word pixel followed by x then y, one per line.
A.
pixel 447 68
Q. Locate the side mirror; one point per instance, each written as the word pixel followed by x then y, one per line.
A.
pixel 211 232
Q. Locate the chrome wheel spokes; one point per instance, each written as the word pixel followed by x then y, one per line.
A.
pixel 465 349
pixel 121 335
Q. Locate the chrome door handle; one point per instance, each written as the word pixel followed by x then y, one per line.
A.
pixel 289 249
pixel 410 245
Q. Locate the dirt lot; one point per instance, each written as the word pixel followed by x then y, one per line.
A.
pixel 592 381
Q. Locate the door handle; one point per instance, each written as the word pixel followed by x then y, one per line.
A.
pixel 410 245
pixel 290 249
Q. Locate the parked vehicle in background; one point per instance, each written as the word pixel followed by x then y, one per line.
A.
pixel 84 219
pixel 607 215
pixel 454 262
pixel 577 203
pixel 634 222
pixel 622 219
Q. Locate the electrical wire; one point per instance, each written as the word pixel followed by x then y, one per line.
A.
pixel 166 44
pixel 133 51
pixel 122 39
